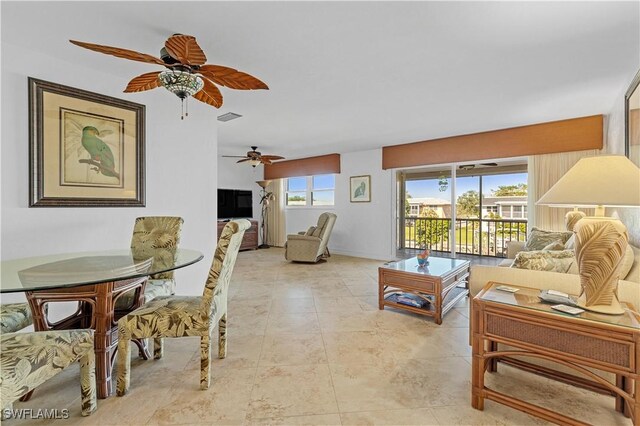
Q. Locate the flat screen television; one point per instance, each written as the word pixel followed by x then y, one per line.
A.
pixel 235 203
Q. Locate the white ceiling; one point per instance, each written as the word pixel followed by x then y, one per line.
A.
pixel 348 76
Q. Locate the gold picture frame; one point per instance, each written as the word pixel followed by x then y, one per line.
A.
pixel 360 189
pixel 632 121
pixel 85 149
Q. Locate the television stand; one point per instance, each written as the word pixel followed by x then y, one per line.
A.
pixel 250 238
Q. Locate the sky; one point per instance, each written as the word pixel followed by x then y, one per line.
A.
pixel 431 188
pixel 319 182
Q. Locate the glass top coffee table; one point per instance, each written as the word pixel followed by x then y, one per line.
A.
pixel 430 290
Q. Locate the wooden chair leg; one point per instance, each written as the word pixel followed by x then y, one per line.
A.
pixel 88 383
pixel 205 360
pixel 158 348
pixel 222 337
pixel 124 361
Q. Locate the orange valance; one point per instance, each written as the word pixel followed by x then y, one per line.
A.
pixel 320 165
pixel 576 134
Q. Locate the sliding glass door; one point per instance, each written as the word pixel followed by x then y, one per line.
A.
pixel 426 211
pixel 489 203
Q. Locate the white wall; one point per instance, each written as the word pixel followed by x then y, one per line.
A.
pixel 614 144
pixel 361 229
pixel 181 176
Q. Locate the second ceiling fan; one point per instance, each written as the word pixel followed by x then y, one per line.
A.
pixel 255 157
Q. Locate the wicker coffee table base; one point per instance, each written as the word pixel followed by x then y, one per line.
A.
pixel 444 291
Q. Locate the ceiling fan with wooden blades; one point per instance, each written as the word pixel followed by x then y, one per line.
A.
pixel 255 157
pixel 187 73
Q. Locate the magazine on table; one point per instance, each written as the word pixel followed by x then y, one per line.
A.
pixel 408 299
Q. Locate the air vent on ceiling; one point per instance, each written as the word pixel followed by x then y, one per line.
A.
pixel 228 116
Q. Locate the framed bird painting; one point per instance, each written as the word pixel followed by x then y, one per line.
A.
pixel 360 189
pixel 86 149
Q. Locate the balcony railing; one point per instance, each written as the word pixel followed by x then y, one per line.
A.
pixel 485 237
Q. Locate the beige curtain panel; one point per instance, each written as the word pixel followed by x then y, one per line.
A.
pixel 277 230
pixel 545 170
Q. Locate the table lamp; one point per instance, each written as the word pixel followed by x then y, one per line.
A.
pixel 600 242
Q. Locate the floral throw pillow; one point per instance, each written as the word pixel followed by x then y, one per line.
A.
pixel 545 260
pixel 538 239
pixel 555 245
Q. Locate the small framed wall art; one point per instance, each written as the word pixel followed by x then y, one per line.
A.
pixel 360 189
pixel 86 149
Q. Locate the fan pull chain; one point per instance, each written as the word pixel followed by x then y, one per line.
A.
pixel 182 111
pixel 187 107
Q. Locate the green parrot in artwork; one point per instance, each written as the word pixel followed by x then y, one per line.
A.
pixel 101 155
pixel 360 190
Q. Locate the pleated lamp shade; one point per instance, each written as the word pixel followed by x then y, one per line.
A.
pixel 611 181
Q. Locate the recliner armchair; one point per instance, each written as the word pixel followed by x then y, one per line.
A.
pixel 311 246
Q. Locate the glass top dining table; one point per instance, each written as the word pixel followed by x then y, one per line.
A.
pixel 92 267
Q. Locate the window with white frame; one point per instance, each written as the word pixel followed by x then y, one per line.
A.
pixel 491 209
pixel 517 212
pixel 318 190
pixel 297 191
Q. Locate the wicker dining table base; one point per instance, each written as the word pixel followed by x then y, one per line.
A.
pixel 96 310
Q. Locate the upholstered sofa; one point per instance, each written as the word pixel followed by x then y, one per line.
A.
pixel 628 289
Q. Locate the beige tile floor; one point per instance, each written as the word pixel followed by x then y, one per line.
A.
pixel 308 345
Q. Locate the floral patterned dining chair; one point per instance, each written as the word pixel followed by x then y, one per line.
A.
pixel 157 237
pixel 14 317
pixel 30 359
pixel 182 316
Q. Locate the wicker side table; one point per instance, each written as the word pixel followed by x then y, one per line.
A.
pixel 609 343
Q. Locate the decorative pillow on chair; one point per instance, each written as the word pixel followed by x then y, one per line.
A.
pixel 538 238
pixel 545 260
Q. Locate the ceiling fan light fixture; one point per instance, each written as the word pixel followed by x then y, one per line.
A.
pixel 254 162
pixel 181 83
